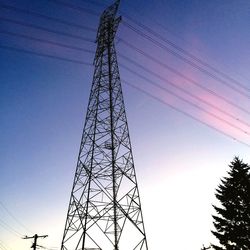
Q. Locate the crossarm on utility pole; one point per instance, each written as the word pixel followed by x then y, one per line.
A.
pixel 35 237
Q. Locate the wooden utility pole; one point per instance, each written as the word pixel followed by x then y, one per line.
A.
pixel 35 237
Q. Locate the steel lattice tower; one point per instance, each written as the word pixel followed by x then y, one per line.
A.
pixel 105 210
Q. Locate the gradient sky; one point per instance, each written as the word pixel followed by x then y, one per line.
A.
pixel 179 161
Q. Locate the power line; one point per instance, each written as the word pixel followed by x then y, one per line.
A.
pixel 9 228
pixel 13 217
pixel 174 34
pixel 46 41
pixel 54 19
pixel 82 9
pixel 185 113
pixel 190 62
pixel 171 51
pixel 3 247
pixel 156 98
pixel 193 57
pixel 179 88
pixel 74 7
pixel 44 55
pixel 126 58
pixel 154 21
pixel 156 34
pixel 46 29
pixel 172 44
pixel 51 248
pixel 185 100
pixel 96 3
pixel 82 49
pixel 182 75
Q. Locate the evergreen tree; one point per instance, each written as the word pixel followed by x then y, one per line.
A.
pixel 232 222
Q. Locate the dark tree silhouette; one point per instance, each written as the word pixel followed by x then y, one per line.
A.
pixel 232 222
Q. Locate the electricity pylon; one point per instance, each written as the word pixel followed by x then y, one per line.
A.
pixel 105 210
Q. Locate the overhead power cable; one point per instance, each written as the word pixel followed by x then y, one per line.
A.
pixel 46 29
pixel 46 41
pixel 185 100
pixel 138 65
pixel 169 50
pixel 10 229
pixel 154 97
pixel 184 59
pixel 182 75
pixel 2 246
pixel 185 113
pixel 183 51
pixel 179 88
pixel 54 19
pixel 88 51
pixel 54 43
pixel 74 7
pixel 13 217
pixel 137 10
pixel 159 36
pixel 44 55
pixel 193 57
pixel 178 48
pixel 96 3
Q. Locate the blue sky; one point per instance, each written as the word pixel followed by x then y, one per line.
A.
pixel 179 161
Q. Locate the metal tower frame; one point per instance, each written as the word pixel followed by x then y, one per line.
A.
pixel 104 212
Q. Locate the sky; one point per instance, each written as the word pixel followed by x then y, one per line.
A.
pixel 186 122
